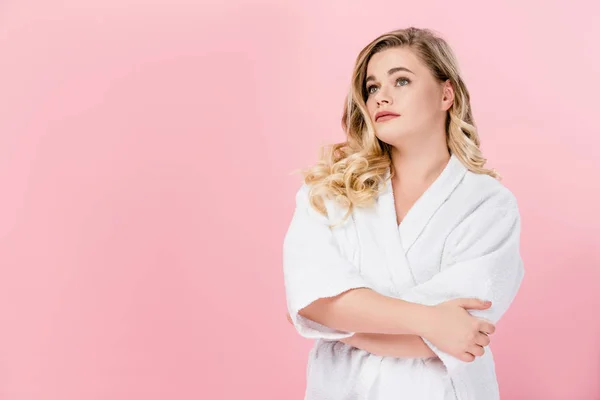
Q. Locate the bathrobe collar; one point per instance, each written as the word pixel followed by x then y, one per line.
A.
pixel 424 208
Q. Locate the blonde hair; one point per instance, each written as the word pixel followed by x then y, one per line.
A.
pixel 352 172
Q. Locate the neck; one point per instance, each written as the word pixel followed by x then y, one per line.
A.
pixel 419 167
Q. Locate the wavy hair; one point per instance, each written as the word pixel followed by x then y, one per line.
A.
pixel 352 172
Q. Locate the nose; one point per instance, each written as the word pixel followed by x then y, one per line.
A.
pixel 382 97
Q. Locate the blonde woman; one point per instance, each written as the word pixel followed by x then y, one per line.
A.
pixel 403 250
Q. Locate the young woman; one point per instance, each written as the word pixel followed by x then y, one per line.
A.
pixel 401 238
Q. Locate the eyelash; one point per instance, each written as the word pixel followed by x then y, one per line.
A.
pixel 400 78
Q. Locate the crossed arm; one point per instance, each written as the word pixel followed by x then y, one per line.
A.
pixel 400 346
pixel 484 263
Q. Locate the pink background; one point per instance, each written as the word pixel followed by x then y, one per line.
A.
pixel 145 152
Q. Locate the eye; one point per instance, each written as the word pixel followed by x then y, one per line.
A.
pixel 401 79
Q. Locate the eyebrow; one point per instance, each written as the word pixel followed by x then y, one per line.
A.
pixel 391 71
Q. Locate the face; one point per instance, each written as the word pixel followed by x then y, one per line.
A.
pixel 398 82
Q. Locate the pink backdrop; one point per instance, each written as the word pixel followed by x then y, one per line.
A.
pixel 145 151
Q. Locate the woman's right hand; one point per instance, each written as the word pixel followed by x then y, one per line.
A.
pixel 455 331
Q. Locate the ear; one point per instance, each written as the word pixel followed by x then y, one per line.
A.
pixel 447 95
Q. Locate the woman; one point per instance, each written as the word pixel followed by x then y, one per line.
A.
pixel 397 232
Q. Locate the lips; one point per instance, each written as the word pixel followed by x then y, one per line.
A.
pixel 385 115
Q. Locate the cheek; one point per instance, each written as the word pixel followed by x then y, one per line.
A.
pixel 371 108
pixel 370 105
pixel 423 104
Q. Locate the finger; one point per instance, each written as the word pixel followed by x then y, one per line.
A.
pixel 482 339
pixel 476 350
pixel 474 304
pixel 487 327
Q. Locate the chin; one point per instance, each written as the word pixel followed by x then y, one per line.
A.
pixel 391 136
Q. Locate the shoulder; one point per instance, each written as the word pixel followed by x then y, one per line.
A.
pixel 480 200
pixel 302 192
pixel 333 210
pixel 303 200
pixel 302 197
pixel 485 213
pixel 481 190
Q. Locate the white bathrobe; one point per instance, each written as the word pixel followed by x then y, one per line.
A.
pixel 460 239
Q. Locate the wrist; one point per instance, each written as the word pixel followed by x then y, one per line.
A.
pixel 417 318
pixel 424 320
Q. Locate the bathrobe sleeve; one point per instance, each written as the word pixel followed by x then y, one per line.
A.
pixel 314 268
pixel 483 261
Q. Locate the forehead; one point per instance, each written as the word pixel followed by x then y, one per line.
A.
pixel 381 62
